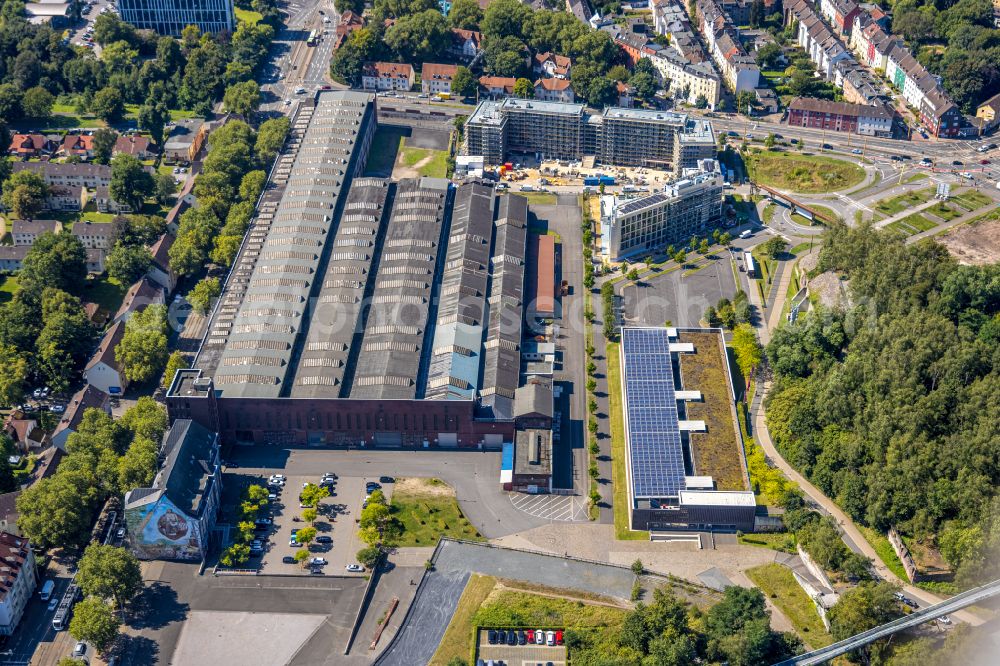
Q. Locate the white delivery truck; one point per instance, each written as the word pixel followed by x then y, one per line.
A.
pixel 46 592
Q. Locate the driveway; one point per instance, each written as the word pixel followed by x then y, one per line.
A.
pixel 475 476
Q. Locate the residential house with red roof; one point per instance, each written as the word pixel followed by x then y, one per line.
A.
pixel 380 76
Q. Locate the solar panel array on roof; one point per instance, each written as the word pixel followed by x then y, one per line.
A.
pixel 652 436
pixel 336 314
pixel 458 336
pixel 266 297
pixel 397 325
pixel 502 357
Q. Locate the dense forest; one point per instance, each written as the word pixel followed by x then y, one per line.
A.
pixel 891 406
pixel 955 39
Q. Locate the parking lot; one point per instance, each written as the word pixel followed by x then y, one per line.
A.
pixel 678 297
pixel 336 526
pixel 520 655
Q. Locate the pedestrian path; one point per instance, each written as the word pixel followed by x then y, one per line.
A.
pixel 906 213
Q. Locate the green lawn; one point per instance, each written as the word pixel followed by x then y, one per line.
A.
pixel 106 292
pixel 827 212
pixel 8 285
pixel 944 211
pixel 248 16
pixel 458 637
pixel 884 550
pixel 132 110
pixel 779 585
pixel 432 163
pixel 898 204
pixel 912 178
pixel 516 608
pixel 918 222
pixel 781 541
pixel 803 172
pixel 972 200
pixel 96 217
pixel 428 510
pixel 60 121
pixel 618 478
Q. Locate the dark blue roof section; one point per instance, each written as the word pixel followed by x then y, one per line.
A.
pixel 656 455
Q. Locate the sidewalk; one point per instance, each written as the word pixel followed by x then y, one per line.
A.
pixel 906 213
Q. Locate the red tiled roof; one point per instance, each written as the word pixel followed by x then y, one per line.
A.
pixel 13 555
pixel 437 72
pixel 505 82
pixel 385 70
pixel 553 84
pixel 133 145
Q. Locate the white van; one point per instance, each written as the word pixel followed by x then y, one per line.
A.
pixel 746 233
pixel 46 592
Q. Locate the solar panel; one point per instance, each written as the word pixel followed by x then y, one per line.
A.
pixel 656 454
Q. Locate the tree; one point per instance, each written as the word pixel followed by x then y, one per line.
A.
pixel 505 18
pixel 108 104
pixel 131 184
pixel 638 568
pixel 153 118
pixel 252 184
pixel 270 139
pixel 309 515
pixel 94 622
pixel 774 247
pixel 142 351
pixel 138 467
pixel 14 375
pixel 203 294
pixel 313 494
pixel 11 98
pixel 747 349
pixel 164 188
pixel 109 572
pixel 306 535
pixel 703 246
pixel 368 556
pixel 463 83
pixel 301 556
pixel 146 418
pixel 421 37
pixel 56 511
pixel 632 275
pixel 242 98
pixel 465 14
pixel 524 89
pixel 175 362
pixel 37 103
pixel 104 143
pixel 680 257
pixel 127 263
pixel 862 608
pixel 54 260
pixel 24 194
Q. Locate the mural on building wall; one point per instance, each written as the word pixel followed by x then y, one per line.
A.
pixel 161 531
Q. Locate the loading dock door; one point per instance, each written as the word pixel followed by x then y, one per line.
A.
pixel 388 439
pixel 448 439
pixel 493 440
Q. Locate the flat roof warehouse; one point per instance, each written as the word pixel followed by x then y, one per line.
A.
pixel 685 465
pixel 361 309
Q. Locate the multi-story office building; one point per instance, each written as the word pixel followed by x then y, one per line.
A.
pixel 169 17
pixel 684 208
pixel 619 136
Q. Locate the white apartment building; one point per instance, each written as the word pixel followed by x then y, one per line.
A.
pixel 17 580
pixel 387 76
pixel 688 206
pixel 697 79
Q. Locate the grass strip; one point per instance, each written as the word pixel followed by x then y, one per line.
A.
pixel 884 550
pixel 619 478
pixel 778 583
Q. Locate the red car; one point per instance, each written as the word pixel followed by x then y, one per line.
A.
pixel 531 635
pixel 324 88
pixel 559 637
pixel 984 161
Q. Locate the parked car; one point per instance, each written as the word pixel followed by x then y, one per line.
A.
pixel 386 479
pixel 550 638
pixel 80 649
pixel 956 162
pixel 288 559
pixel 491 636
pixel 511 637
pixel 279 477
pixel 856 151
pixel 53 604
pixel 357 568
pixel 293 542
pixel 539 637
pixel 372 486
pixel 521 638
pixel 559 637
pixel 501 636
pixel 324 538
pixel 318 562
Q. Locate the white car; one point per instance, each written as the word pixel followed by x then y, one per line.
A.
pixel 318 562
pixel 282 477
pixel 355 568
pixel 288 102
pixel 539 637
pixel 550 638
